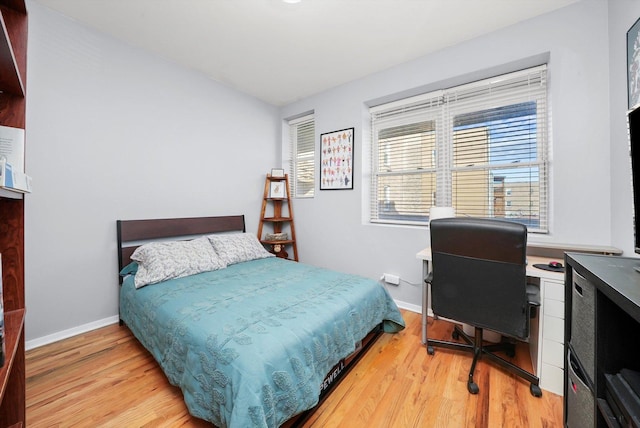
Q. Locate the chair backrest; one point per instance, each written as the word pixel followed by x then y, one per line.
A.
pixel 479 273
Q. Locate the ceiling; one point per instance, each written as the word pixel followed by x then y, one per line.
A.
pixel 281 52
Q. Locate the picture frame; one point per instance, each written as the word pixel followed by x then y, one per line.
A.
pixel 277 172
pixel 277 190
pixel 336 159
pixel 633 65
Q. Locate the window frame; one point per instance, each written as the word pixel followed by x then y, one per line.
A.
pixel 423 107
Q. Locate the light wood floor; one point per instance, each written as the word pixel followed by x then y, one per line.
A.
pixel 106 378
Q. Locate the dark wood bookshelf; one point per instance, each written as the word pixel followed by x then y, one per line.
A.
pixel 13 72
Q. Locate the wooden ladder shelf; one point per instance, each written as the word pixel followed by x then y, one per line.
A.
pixel 277 197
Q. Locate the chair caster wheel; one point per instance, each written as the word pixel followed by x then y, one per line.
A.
pixel 430 350
pixel 473 387
pixel 535 390
pixel 511 353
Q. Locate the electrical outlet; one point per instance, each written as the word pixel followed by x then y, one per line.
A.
pixel 391 279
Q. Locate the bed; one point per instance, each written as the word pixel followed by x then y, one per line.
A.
pixel 255 340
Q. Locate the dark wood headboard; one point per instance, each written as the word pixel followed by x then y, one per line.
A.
pixel 131 233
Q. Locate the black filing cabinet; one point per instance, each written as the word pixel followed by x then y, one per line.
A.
pixel 602 330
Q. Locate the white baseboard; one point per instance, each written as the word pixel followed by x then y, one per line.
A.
pixel 65 334
pixel 409 306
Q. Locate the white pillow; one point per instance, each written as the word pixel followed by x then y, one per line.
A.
pixel 238 247
pixel 159 261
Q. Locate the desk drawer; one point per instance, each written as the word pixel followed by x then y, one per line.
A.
pixel 553 353
pixel 552 379
pixel 554 290
pixel 554 308
pixel 553 328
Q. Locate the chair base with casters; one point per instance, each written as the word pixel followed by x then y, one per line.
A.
pixel 487 351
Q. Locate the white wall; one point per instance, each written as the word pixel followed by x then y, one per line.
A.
pixel 116 133
pixel 330 228
pixel 622 15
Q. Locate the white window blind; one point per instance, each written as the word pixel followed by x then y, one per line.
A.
pixel 302 157
pixel 404 170
pixel 481 148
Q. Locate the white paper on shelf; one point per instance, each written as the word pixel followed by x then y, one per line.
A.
pixel 12 147
pixel 13 180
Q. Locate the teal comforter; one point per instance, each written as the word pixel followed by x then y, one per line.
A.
pixel 250 345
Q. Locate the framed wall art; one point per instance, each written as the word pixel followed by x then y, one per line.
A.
pixel 277 189
pixel 633 64
pixel 336 160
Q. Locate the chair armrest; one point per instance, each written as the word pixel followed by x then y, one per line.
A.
pixel 429 278
pixel 533 295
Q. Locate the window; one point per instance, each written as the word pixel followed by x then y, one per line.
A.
pixel 468 147
pixel 302 158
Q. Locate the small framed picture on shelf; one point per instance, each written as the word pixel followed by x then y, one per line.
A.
pixel 277 189
pixel 277 173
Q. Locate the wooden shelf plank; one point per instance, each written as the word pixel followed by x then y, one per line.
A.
pixel 10 194
pixel 13 325
pixel 274 219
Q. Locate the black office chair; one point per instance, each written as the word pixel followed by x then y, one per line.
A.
pixel 479 278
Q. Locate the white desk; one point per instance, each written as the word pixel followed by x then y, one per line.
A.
pixel 546 341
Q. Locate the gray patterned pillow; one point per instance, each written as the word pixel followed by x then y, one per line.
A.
pixel 159 261
pixel 238 247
